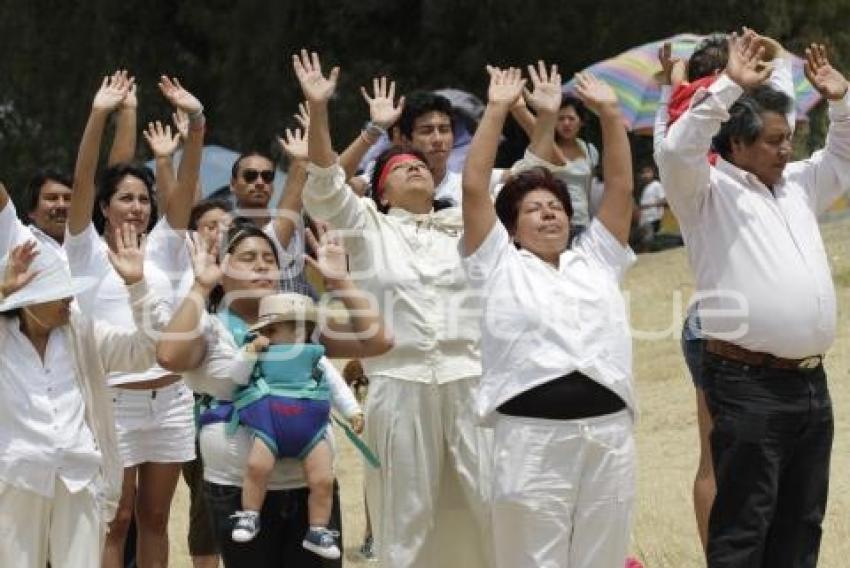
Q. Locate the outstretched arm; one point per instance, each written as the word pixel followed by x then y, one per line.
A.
pixel 124 145
pixel 163 144
pixel 479 214
pixel 326 197
pixel 288 215
pixel 317 90
pixel 182 346
pixel 111 93
pixel 383 114
pixel 364 335
pixel 831 166
pixel 179 205
pixel 615 212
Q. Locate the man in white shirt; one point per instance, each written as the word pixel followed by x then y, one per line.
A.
pixel 766 301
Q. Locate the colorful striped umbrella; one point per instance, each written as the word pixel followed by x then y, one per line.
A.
pixel 633 75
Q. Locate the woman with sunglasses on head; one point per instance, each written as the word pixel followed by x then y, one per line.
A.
pixel 204 345
pixel 153 410
pixel 556 349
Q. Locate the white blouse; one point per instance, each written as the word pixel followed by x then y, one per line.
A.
pixel 540 322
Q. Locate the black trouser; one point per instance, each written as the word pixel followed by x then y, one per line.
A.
pixel 771 445
pixel 283 524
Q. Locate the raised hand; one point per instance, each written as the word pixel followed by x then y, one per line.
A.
pixel 672 68
pixel 131 101
pixel 308 69
pixel 382 110
pixel 179 97
pixel 112 91
pixel 18 273
pixel 772 48
pixel 822 75
pixel 332 262
pixel 303 117
pixel 294 144
pixel 597 95
pixel 506 85
pixel 208 271
pixel 546 94
pixel 746 66
pixel 181 123
pixel 129 257
pixel 160 139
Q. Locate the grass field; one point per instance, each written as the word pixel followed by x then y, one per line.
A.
pixel 665 531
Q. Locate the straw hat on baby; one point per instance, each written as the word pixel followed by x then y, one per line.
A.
pixel 290 306
pixel 53 282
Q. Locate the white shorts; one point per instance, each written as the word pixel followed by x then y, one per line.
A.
pixel 155 425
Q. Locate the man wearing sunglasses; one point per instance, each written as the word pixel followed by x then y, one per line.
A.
pixel 251 183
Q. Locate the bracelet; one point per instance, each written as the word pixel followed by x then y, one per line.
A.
pixel 196 116
pixel 375 130
pixel 197 122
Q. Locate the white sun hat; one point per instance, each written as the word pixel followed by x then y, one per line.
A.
pixel 291 306
pixel 53 282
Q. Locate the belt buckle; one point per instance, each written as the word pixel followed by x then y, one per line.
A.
pixel 810 363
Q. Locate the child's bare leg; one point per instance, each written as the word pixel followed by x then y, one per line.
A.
pixel 260 465
pixel 318 469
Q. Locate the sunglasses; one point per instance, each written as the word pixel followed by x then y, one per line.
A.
pixel 250 176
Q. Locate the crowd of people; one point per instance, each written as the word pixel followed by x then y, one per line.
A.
pixel 145 330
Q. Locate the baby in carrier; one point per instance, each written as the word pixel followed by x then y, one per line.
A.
pixel 286 401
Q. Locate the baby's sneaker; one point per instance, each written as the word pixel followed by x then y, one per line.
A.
pixel 247 526
pixel 322 541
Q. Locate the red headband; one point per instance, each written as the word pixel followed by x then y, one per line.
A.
pixel 388 168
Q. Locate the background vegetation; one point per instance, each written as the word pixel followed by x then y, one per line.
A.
pixel 235 55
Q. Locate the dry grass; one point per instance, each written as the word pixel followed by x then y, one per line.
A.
pixel 665 530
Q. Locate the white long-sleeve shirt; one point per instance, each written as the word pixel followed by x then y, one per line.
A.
pixel 762 277
pixel 411 266
pixel 56 417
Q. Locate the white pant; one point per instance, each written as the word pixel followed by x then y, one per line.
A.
pixel 563 491
pixel 424 514
pixel 65 530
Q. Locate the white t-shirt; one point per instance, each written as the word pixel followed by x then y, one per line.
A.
pixel 652 193
pixel 109 300
pixel 540 322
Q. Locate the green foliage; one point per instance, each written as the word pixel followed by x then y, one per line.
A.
pixel 236 55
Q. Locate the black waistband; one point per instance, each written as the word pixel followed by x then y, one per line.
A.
pixel 569 397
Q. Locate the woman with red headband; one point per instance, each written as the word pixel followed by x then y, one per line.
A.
pixel 429 503
pixel 419 413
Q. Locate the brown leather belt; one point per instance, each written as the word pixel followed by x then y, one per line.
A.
pixel 736 353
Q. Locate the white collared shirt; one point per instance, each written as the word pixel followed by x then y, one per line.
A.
pixel 42 416
pixel 762 276
pixel 411 266
pixel 540 322
pixel 108 300
pixel 83 352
